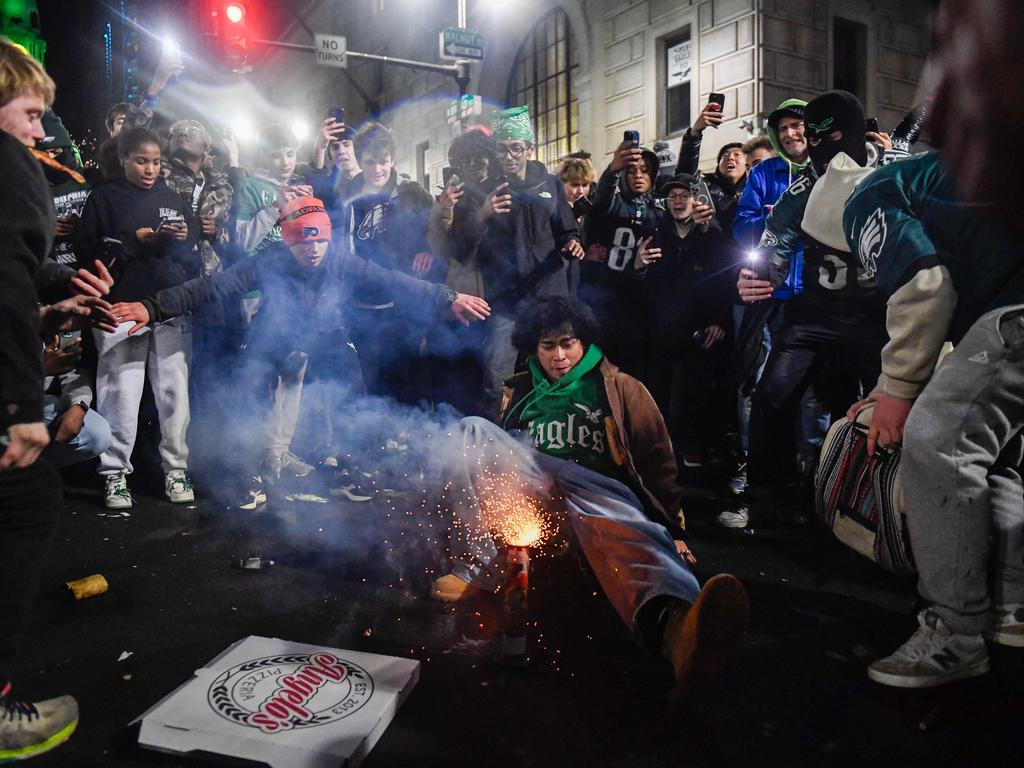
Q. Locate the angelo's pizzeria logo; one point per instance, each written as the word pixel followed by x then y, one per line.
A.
pixel 278 693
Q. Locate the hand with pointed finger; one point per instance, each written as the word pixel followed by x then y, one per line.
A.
pixel 86 283
pixel 132 312
pixel 467 308
pixel 74 314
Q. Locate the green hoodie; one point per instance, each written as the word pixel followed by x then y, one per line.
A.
pixel 566 417
pixel 773 137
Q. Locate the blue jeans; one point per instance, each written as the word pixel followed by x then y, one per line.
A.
pixel 633 557
pixel 93 440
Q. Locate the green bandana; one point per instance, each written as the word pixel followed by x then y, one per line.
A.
pixel 511 124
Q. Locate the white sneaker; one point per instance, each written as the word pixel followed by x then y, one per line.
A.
pixel 178 487
pixel 734 518
pixel 118 495
pixel 932 656
pixel 1007 625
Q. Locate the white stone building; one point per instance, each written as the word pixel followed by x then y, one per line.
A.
pixel 590 69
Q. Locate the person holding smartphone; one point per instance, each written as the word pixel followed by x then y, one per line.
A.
pixel 146 235
pixel 726 183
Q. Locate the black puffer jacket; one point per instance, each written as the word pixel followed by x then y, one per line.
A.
pixel 520 253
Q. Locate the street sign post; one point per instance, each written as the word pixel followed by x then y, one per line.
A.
pixel 455 43
pixel 330 50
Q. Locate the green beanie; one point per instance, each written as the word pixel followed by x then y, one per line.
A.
pixel 513 123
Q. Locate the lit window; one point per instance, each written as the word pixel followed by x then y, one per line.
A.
pixel 542 80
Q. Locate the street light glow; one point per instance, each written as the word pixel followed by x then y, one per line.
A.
pixel 301 129
pixel 235 13
pixel 243 129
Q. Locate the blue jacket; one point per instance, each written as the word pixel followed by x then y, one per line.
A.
pixel 765 185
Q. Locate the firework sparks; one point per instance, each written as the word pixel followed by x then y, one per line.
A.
pixel 510 512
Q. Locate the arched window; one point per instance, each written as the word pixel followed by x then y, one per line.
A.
pixel 542 80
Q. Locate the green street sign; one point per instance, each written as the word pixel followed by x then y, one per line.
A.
pixel 458 43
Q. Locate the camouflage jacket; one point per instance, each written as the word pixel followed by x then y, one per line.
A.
pixel 212 200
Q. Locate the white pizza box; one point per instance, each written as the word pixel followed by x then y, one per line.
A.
pixel 283 704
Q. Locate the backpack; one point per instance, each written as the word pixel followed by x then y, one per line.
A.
pixel 860 497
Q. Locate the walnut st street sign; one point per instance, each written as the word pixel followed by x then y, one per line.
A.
pixel 455 43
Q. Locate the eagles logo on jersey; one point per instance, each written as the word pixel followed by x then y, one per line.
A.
pixel 373 223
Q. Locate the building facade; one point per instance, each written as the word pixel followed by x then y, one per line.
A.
pixel 590 69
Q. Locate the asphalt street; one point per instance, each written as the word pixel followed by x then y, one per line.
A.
pixel 356 576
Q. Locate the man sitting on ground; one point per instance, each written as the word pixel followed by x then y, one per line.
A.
pixel 601 446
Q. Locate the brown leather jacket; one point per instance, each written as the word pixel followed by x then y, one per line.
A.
pixel 638 438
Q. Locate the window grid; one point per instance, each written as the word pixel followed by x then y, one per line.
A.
pixel 542 80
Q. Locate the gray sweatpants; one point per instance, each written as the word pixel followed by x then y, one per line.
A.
pixel 962 451
pixel 633 557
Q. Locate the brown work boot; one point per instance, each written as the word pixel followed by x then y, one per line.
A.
pixel 452 589
pixel 700 639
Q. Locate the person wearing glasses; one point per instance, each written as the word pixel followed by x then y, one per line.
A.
pixel 523 236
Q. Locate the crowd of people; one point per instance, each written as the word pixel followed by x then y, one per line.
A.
pixel 642 325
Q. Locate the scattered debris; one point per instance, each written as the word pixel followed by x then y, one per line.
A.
pixel 88 587
pixel 124 655
pixel 253 563
pixel 308 497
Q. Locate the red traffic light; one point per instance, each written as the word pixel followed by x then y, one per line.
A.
pixel 235 13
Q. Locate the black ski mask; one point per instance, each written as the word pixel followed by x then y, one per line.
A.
pixel 830 112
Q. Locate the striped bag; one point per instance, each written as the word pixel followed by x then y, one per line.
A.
pixel 860 497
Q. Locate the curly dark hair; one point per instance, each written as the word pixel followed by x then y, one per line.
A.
pixel 130 140
pixel 553 313
pixel 473 143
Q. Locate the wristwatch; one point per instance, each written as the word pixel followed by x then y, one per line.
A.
pixel 451 295
pixel 82 405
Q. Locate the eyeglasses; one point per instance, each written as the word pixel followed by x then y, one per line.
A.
pixel 515 150
pixel 679 195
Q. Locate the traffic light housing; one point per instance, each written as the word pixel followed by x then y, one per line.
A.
pixel 232 30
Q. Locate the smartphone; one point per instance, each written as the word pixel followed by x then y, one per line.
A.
pixel 338 113
pixel 631 136
pixel 446 175
pixel 717 99
pixel 702 194
pixel 169 220
pixel 581 206
pixel 871 125
pixel 500 179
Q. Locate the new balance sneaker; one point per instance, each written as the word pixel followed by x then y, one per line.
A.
pixel 178 487
pixel 28 729
pixel 117 495
pixel 932 656
pixel 1007 625
pixel 254 497
pixel 700 639
pixel 737 517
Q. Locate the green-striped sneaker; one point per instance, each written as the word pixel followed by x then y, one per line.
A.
pixel 28 729
pixel 178 487
pixel 118 495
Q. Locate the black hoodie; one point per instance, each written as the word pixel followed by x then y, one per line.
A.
pixel 520 253
pixel 111 216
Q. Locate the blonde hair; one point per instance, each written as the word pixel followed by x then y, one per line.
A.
pixel 19 72
pixel 575 169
